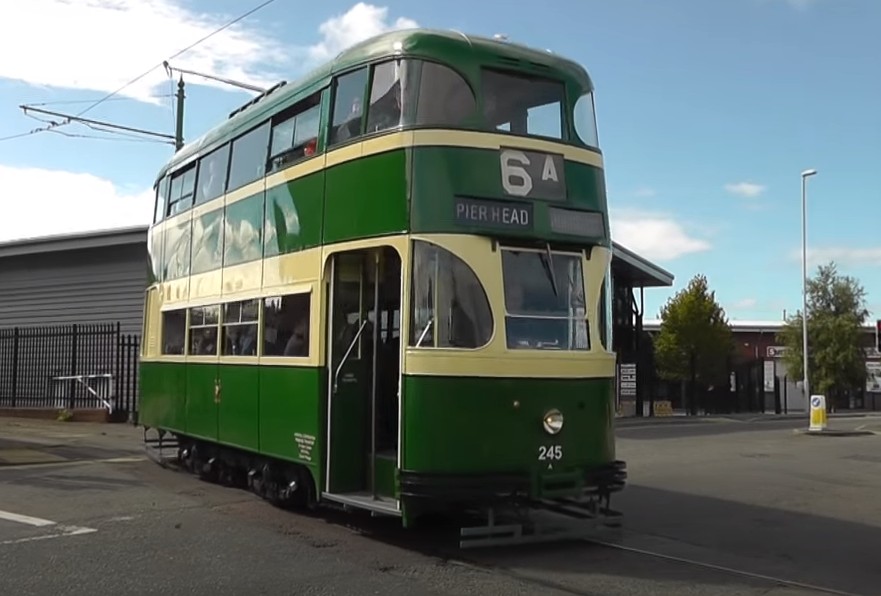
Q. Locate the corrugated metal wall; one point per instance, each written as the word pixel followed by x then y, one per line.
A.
pixel 95 285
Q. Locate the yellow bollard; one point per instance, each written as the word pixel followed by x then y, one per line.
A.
pixel 818 413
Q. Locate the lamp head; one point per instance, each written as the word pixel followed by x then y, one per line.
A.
pixel 807 173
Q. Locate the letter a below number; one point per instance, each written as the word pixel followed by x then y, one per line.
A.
pixel 515 179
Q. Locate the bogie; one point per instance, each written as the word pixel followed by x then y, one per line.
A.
pixel 287 485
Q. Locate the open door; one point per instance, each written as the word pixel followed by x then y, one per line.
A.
pixel 364 305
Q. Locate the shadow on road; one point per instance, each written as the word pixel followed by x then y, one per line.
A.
pixel 816 550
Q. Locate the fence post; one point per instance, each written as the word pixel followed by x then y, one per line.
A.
pixel 73 361
pixel 14 365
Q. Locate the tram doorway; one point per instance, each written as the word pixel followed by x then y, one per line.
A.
pixel 363 369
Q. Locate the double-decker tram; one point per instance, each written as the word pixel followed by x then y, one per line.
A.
pixel 386 286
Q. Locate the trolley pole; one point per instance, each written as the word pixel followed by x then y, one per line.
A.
pixel 179 127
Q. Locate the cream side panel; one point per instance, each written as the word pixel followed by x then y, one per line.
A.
pixel 594 273
pixel 242 282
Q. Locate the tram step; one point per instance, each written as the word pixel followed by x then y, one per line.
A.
pixel 364 500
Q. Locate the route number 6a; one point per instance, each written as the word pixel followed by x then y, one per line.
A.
pixel 550 452
pixel 516 179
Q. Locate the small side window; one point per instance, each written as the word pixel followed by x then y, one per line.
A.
pixel 161 200
pixel 174 328
pixel 286 325
pixel 295 135
pixel 240 328
pixel 450 306
pixel 183 185
pixel 212 175
pixel 249 157
pixel 348 106
pixel 385 97
pixel 203 330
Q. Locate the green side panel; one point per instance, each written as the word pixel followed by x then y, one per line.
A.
pixel 385 475
pixel 207 253
pixel 349 438
pixel 242 240
pixel 294 215
pixel 441 174
pixel 163 397
pixel 498 424
pixel 238 410
pixel 201 409
pixel 366 197
pixel 292 415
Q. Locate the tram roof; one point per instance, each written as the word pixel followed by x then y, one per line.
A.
pixel 637 270
pixel 412 42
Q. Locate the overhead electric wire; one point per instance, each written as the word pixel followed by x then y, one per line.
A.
pixel 107 97
pixel 175 55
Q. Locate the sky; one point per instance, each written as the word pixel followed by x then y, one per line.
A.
pixel 708 111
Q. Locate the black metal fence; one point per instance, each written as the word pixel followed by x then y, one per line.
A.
pixel 70 367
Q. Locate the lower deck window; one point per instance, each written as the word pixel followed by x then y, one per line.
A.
pixel 544 300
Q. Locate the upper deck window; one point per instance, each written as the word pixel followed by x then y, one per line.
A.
pixel 544 300
pixel 523 104
pixel 445 99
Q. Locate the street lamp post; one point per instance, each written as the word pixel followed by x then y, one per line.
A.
pixel 804 286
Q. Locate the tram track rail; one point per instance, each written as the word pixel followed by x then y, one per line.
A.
pixel 771 580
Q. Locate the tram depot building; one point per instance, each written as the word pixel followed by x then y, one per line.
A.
pixel 76 293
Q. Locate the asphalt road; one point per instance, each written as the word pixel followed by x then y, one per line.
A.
pixel 98 519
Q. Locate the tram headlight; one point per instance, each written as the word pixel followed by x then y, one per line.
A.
pixel 553 422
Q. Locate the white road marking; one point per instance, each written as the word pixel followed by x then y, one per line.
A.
pixel 25 519
pixel 38 522
pixel 65 531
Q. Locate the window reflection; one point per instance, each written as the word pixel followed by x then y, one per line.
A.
pixel 212 175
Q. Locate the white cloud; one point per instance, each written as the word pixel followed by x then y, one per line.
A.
pixel 746 303
pixel 100 45
pixel 355 25
pixel 114 41
pixel 842 255
pixel 747 190
pixel 69 202
pixel 644 192
pixel 655 236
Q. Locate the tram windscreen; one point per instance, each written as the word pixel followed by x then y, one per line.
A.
pixel 544 300
pixel 523 104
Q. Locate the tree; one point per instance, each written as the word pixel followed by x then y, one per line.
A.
pixel 695 342
pixel 836 314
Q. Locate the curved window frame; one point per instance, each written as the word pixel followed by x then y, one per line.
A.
pixel 585 108
pixel 423 326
